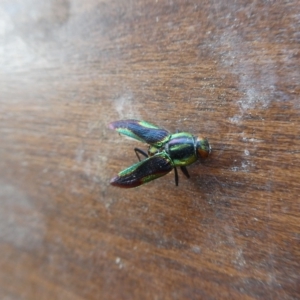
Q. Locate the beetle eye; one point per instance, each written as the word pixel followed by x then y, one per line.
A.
pixel 203 147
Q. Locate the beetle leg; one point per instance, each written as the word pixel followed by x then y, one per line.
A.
pixel 137 150
pixel 176 176
pixel 185 171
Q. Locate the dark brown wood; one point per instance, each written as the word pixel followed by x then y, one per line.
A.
pixel 228 70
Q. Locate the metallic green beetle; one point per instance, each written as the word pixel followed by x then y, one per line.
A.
pixel 166 152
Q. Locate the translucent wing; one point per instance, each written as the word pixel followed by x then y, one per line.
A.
pixel 142 131
pixel 144 171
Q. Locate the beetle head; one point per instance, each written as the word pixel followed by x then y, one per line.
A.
pixel 203 148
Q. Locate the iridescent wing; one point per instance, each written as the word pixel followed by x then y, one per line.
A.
pixel 142 131
pixel 144 171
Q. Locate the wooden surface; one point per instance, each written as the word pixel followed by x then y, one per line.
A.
pixel 227 70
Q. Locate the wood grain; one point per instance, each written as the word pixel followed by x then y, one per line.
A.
pixel 226 70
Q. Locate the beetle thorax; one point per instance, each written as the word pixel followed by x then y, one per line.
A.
pixel 153 150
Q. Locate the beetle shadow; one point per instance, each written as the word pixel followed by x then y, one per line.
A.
pixel 220 174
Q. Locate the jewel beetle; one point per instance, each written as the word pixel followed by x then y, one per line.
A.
pixel 166 152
